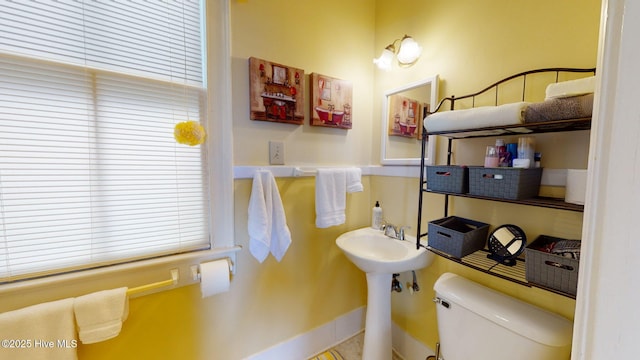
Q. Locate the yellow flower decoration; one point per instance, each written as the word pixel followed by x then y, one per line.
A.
pixel 189 133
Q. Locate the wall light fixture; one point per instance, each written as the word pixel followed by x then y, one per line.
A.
pixel 408 53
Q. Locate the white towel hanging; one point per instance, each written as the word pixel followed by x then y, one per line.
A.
pixel 331 188
pixel 267 223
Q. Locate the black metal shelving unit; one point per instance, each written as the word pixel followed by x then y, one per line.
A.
pixel 479 260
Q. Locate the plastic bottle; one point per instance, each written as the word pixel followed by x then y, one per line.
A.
pixel 526 149
pixel 491 157
pixel 376 216
pixel 503 159
pixel 512 152
pixel 536 159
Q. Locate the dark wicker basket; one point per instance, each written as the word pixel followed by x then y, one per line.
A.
pixel 550 270
pixel 504 183
pixel 453 179
pixel 457 236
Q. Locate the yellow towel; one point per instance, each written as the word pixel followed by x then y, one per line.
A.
pixel 43 331
pixel 99 315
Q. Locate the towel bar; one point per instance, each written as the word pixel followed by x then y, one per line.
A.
pixel 155 285
pixel 302 172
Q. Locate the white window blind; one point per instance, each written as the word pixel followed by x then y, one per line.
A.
pixel 90 173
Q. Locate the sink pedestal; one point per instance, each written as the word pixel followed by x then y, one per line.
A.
pixel 380 256
pixel 377 330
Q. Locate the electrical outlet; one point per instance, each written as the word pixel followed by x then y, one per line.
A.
pixel 276 153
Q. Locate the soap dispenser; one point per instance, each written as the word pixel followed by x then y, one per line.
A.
pixel 376 217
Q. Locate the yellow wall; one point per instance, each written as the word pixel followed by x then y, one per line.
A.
pixel 332 38
pixel 314 283
pixel 268 303
pixel 468 43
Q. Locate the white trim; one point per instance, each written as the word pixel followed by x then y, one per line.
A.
pixel 431 143
pixel 132 274
pixel 323 337
pixel 407 347
pixel 246 172
pixel 220 129
pixel 593 337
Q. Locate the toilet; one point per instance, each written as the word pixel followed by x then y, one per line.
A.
pixel 475 322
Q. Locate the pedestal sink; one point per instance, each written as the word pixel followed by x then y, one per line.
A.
pixel 380 256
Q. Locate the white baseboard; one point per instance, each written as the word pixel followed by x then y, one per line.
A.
pixel 334 332
pixel 407 346
pixel 317 340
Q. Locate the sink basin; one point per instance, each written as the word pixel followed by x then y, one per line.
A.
pixel 373 252
pixel 380 256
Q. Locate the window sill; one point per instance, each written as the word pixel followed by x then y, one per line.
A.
pixel 30 292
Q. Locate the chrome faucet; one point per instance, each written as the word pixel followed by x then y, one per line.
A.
pixel 393 231
pixel 401 232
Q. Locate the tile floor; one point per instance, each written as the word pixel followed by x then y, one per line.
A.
pixel 351 349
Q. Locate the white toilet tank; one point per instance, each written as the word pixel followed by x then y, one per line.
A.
pixel 477 323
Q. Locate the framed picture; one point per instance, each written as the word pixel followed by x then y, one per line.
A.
pixel 276 92
pixel 403 116
pixel 331 101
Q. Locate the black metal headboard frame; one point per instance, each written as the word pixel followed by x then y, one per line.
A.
pixel 452 99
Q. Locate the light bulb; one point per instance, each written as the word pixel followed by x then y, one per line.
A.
pixel 409 52
pixel 385 59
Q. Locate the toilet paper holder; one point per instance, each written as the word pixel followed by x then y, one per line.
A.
pixel 195 269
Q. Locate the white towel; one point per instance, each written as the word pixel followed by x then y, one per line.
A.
pixel 43 331
pixel 99 315
pixel 571 88
pixel 478 117
pixel 267 223
pixel 354 180
pixel 331 188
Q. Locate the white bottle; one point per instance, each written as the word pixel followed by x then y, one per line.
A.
pixel 376 216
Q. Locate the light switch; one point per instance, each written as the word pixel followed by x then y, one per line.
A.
pixel 276 153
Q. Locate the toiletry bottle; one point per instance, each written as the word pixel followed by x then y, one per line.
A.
pixel 526 149
pixel 491 157
pixel 376 217
pixel 512 152
pixel 503 160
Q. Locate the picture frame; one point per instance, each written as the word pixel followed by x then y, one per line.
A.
pixel 276 92
pixel 404 116
pixel 331 102
pixel 403 150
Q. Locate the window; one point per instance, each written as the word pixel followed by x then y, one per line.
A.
pixel 89 171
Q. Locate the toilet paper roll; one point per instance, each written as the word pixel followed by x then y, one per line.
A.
pixel 576 186
pixel 214 277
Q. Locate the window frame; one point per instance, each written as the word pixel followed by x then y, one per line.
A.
pixel 219 143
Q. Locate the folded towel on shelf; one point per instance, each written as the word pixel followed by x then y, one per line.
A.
pixel 574 107
pixel 331 188
pixel 571 88
pixel 99 315
pixel 476 118
pixel 267 223
pixel 50 324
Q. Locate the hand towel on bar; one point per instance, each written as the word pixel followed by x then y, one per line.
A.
pixel 267 223
pixel 354 180
pixel 42 331
pixel 99 315
pixel 331 189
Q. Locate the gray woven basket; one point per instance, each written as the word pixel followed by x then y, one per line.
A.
pixel 457 236
pixel 504 183
pixel 453 179
pixel 550 270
